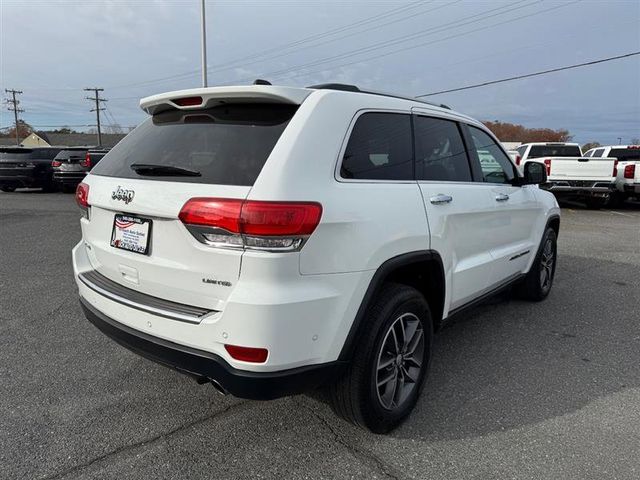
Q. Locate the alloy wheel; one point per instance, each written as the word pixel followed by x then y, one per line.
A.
pixel 400 361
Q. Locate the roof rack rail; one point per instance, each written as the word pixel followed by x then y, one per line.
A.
pixel 353 88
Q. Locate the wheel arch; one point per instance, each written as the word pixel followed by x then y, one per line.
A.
pixel 422 270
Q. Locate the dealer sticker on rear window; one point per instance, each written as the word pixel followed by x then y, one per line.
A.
pixel 131 233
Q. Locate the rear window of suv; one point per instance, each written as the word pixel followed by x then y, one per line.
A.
pixel 227 145
pixel 538 151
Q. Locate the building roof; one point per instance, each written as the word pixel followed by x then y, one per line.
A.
pixel 72 139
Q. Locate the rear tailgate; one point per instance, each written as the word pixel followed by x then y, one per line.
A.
pixel 581 168
pixel 177 267
pixel 149 176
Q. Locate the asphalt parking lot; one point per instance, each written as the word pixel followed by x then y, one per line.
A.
pixel 517 390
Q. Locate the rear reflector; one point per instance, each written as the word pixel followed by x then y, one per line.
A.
pixel 547 164
pixel 247 354
pixel 629 171
pixel 274 226
pixel 188 101
pixel 82 195
pixel 56 163
pixel 518 159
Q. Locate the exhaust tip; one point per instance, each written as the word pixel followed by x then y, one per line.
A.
pixel 219 388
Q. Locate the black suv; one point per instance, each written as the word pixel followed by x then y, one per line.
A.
pixel 26 167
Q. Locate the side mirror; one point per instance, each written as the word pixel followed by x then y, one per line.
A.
pixel 534 173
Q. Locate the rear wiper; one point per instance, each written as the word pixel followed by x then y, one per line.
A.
pixel 152 170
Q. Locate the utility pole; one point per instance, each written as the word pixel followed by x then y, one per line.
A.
pixel 97 108
pixel 619 140
pixel 204 45
pixel 14 102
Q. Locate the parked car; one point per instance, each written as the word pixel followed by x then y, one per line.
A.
pixel 353 248
pixel 70 167
pixel 22 167
pixel 627 183
pixel 570 174
pixel 515 156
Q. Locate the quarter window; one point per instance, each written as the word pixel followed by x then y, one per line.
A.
pixel 440 152
pixel 598 152
pixel 495 164
pixel 379 148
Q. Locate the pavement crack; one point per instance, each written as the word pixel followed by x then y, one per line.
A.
pixel 365 456
pixel 142 443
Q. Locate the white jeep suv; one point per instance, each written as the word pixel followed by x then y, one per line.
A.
pixel 274 240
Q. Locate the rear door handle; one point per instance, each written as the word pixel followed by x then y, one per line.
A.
pixel 440 199
pixel 502 197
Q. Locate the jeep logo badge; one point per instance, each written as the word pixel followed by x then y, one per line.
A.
pixel 121 194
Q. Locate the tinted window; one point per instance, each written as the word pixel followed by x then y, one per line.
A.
pixel 440 152
pixel 72 153
pixel 625 154
pixel 379 148
pixel 598 152
pixel 228 144
pixel 496 165
pixel 521 150
pixel 589 153
pixel 538 151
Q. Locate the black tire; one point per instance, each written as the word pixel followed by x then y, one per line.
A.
pixel 596 203
pixel 49 187
pixel 538 282
pixel 8 188
pixel 616 199
pixel 356 396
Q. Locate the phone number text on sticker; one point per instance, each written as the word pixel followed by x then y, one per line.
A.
pixel 131 233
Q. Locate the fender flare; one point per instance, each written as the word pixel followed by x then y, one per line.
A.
pixel 379 277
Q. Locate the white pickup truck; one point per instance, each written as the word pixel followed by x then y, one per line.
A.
pixel 571 175
pixel 627 183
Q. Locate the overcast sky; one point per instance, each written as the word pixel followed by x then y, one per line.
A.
pixel 52 49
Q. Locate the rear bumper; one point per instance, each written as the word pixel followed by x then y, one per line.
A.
pixel 19 178
pixel 580 189
pixel 68 177
pixel 633 188
pixel 208 366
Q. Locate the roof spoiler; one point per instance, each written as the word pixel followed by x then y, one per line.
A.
pixel 199 98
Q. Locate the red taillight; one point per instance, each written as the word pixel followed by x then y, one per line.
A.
pixel 630 171
pixel 247 354
pixel 547 164
pixel 279 226
pixel 188 101
pixel 615 168
pixel 87 161
pixel 213 212
pixel 82 196
pixel 518 159
pixel 56 163
pixel 279 218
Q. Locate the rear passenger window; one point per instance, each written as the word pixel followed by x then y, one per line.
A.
pixel 495 164
pixel 440 152
pixel 379 148
pixel 598 152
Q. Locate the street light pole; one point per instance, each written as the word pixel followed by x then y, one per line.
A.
pixel 204 45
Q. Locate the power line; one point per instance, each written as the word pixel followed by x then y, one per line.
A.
pixel 528 75
pixel 97 108
pixel 403 49
pixel 279 48
pixel 13 103
pixel 412 36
